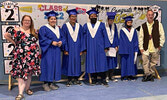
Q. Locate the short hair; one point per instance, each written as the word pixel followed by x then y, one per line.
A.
pixel 70 15
pixel 150 10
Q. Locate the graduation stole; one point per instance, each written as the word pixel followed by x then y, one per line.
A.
pixel 111 32
pixel 93 30
pixel 74 34
pixel 54 30
pixel 129 34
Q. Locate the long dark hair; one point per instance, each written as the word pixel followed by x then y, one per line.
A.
pixel 32 30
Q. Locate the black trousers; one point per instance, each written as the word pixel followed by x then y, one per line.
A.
pixel 45 82
pixel 101 74
pixel 72 77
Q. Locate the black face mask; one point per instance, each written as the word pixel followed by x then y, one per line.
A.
pixel 128 26
pixel 93 20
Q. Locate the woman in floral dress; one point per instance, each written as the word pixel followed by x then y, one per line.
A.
pixel 25 54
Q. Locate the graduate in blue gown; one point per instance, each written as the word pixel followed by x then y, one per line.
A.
pixel 71 65
pixel 96 42
pixel 128 48
pixel 112 34
pixel 50 40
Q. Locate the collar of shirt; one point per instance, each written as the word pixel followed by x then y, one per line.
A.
pixel 150 24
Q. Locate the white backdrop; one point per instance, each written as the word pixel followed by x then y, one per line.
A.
pixel 37 10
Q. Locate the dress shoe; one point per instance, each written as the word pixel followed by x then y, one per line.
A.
pixel 69 83
pixel 148 78
pixel 105 84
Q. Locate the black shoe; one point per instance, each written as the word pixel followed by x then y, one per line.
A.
pixel 69 83
pixel 99 82
pixel 78 82
pixel 93 82
pixel 145 79
pixel 151 78
pixel 131 78
pixel 75 82
pixel 148 78
pixel 125 78
pixel 105 84
pixel 122 78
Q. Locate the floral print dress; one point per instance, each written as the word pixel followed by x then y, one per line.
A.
pixel 25 55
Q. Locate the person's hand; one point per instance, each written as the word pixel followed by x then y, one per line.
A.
pixel 159 48
pixel 14 44
pixel 84 52
pixel 141 51
pixel 116 48
pixel 59 44
pixel 8 37
pixel 65 53
pixel 106 50
pixel 81 53
pixel 55 43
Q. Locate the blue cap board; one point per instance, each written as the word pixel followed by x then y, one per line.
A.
pixel 92 11
pixel 51 13
pixel 128 18
pixel 72 12
pixel 111 15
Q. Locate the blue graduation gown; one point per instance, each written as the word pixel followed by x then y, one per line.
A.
pixel 112 61
pixel 96 60
pixel 127 51
pixel 71 64
pixel 51 55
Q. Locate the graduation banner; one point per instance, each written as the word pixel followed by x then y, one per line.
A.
pixel 12 12
pixel 37 10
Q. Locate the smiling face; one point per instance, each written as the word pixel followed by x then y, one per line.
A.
pixel 150 16
pixel 52 21
pixel 73 18
pixel 26 21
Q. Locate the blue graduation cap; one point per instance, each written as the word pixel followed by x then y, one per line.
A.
pixel 128 18
pixel 92 11
pixel 51 13
pixel 111 15
pixel 72 12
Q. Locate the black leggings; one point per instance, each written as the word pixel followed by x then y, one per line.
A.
pixel 72 77
pixel 101 74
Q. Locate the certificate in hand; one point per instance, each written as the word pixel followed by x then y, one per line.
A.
pixel 111 52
